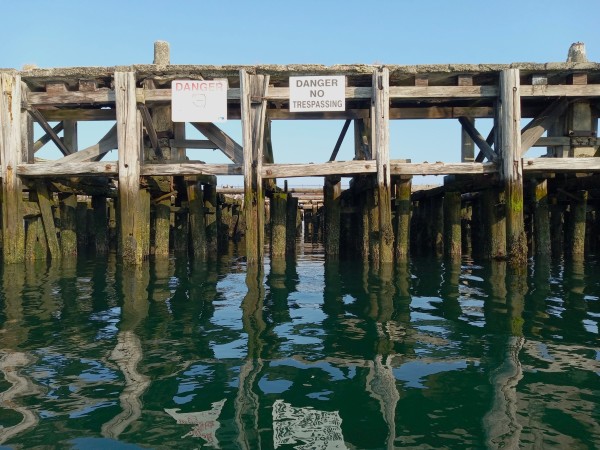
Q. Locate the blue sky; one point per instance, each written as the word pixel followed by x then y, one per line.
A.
pixel 84 33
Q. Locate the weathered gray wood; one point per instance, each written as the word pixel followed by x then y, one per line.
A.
pixel 576 245
pixel 151 131
pixel 210 208
pixel 197 220
pixel 443 92
pixel 381 146
pixel 402 244
pixel 541 216
pixel 45 203
pixel 278 224
pixel 27 145
pixel 56 115
pixel 253 120
pixel 46 137
pixel 40 119
pixel 512 166
pixel 36 247
pixel 478 139
pixel 332 191
pixel 108 142
pixel 467 145
pixel 129 130
pixel 562 165
pixel 552 141
pixel 194 143
pixel 538 126
pixel 494 223
pixel 162 223
pixel 68 225
pixel 100 224
pixel 452 225
pixel 11 155
pixel 226 144
pixel 99 97
pixel 54 169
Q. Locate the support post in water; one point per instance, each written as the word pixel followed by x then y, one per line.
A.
pixel 494 223
pixel 541 217
pixel 129 129
pixel 278 224
pixel 403 191
pixel 512 165
pixel 253 113
pixel 381 138
pixel 11 155
pixel 331 197
pixel 576 246
pixel 452 229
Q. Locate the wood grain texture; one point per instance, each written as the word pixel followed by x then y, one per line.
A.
pixel 224 142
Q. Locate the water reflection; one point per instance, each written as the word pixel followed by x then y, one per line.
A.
pixel 300 354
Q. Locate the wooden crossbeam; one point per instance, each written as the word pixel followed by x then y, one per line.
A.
pixel 226 144
pixel 39 118
pixel 534 129
pixel 150 130
pixel 105 145
pixel 193 143
pixel 46 137
pixel 54 115
pixel 45 205
pixel 478 139
pixel 562 165
pixel 490 141
pixel 338 144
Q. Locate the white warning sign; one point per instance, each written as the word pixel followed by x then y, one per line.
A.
pixel 199 100
pixel 315 94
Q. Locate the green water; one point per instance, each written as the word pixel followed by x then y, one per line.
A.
pixel 307 355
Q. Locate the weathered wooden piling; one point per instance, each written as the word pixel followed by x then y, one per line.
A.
pixel 332 205
pixel 291 227
pixel 210 205
pixel 11 155
pixel 576 244
pixel 512 164
pixel 494 223
pixel 278 202
pixel 452 225
pixel 402 243
pixel 435 223
pixel 541 216
pixel 68 224
pixel 130 146
pixel 197 222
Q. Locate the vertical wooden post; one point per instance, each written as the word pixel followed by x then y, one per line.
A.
pixel 129 129
pixel 197 221
pixel 374 229
pixel 162 224
pixel 331 195
pixel 278 224
pixel 467 146
pixel 494 223
pixel 10 156
pixel 45 201
pixel 381 137
pixel 291 226
pixel 68 224
pixel 253 112
pixel 541 217
pixel 210 205
pixel 576 246
pixel 512 164
pixel 82 226
pixel 452 230
pixel 403 191
pixel 36 247
pixel 436 220
pixel 100 212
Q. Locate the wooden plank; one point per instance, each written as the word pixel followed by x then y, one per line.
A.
pixel 481 143
pixel 285 114
pixel 443 92
pixel 45 204
pixel 49 131
pixel 99 97
pixel 151 131
pixel 551 141
pixel 442 112
pixel 226 144
pixel 194 143
pixel 563 90
pixel 323 169
pixel 538 126
pixel 340 140
pixel 46 137
pixel 55 115
pixel 129 133
pixel 51 169
pixel 106 144
pixel 13 233
pixel 562 165
pixel 511 167
pixel 440 168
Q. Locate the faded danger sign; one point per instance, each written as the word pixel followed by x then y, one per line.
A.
pixel 320 93
pixel 199 100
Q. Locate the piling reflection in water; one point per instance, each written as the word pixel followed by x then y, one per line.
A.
pixel 435 353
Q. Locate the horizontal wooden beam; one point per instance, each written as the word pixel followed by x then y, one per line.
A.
pixel 110 168
pixel 55 115
pixel 562 165
pixel 193 143
pixel 318 170
pixel 285 114
pixel 440 112
pixel 442 91
pixel 552 141
pixel 550 90
pixel 101 96
pixel 440 168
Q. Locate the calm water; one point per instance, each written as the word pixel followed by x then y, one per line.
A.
pixel 307 355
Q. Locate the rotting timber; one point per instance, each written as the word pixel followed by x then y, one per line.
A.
pixel 153 199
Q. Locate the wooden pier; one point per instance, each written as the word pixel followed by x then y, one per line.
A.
pixel 496 203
